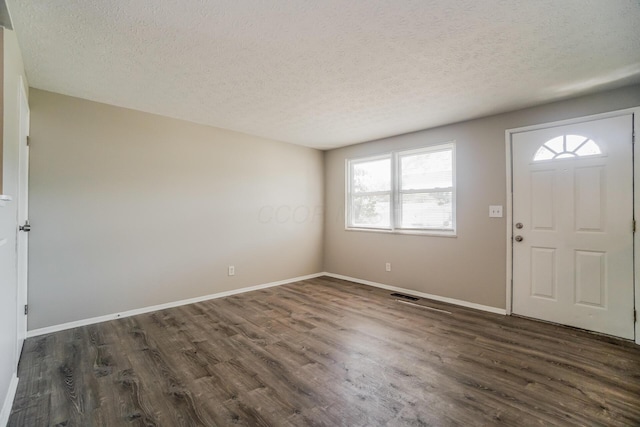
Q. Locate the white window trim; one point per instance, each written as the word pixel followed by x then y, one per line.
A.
pixel 395 192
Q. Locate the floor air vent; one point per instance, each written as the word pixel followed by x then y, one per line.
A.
pixel 406 299
pixel 403 296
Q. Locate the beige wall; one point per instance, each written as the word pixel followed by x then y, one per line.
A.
pixel 472 266
pixel 131 209
pixel 13 69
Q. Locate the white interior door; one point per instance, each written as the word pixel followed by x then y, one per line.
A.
pixel 23 218
pixel 573 225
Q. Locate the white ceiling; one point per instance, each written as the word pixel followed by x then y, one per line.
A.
pixel 327 73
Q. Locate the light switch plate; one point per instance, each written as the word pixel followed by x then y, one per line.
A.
pixel 495 211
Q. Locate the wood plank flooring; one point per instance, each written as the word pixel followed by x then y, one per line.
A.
pixel 326 352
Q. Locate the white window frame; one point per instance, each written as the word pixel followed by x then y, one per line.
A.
pixel 395 193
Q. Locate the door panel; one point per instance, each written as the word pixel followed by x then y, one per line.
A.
pixel 589 198
pixel 590 278
pixel 573 195
pixel 542 212
pixel 543 273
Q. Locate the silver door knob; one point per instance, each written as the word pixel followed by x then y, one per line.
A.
pixel 519 238
pixel 26 227
pixel 519 225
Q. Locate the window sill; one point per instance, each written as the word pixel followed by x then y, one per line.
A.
pixel 432 233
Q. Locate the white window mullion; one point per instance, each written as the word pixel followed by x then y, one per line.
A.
pixel 372 193
pixel 428 190
pixel 394 182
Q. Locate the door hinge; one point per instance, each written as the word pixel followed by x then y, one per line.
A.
pixel 635 316
pixel 28 141
pixel 26 309
pixel 634 226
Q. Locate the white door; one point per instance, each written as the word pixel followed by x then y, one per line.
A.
pixel 573 225
pixel 23 217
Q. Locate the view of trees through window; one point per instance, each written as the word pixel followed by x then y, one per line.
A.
pixel 426 189
pixel 372 193
pixel 411 190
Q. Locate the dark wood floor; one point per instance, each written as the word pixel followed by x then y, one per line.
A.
pixel 325 352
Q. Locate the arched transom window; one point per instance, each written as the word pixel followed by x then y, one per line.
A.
pixel 567 146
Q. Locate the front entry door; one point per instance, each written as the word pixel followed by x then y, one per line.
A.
pixel 573 225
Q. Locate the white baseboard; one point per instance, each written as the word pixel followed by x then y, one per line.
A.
pixel 421 294
pixel 99 319
pixel 8 401
pixel 107 317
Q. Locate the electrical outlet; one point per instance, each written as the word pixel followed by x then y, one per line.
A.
pixel 232 270
pixel 495 211
pixel 388 266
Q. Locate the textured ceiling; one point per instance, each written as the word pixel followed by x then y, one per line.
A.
pixel 327 73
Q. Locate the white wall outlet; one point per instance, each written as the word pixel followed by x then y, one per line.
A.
pixel 232 270
pixel 387 266
pixel 495 211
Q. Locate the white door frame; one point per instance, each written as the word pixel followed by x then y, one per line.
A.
pixel 636 198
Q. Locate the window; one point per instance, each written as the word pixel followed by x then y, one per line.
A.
pixel 565 147
pixel 405 191
pixel 371 192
